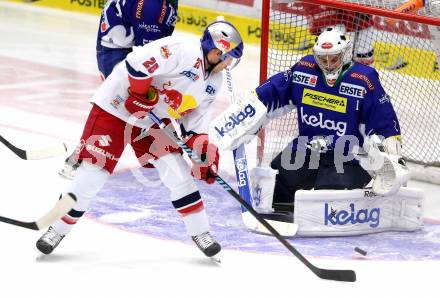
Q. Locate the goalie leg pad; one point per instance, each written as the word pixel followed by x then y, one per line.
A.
pixel 357 212
pixel 263 185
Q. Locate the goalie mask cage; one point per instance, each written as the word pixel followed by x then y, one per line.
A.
pixel 403 54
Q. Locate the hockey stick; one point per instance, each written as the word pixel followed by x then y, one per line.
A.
pixel 339 275
pixel 35 154
pixel 242 175
pixel 61 207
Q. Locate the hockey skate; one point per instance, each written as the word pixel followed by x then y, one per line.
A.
pixel 208 245
pixel 47 243
pixel 69 169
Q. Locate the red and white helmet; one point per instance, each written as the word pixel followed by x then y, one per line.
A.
pixel 332 50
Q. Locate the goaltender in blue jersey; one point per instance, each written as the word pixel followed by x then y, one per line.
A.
pixel 339 103
pixel 332 109
pixel 349 140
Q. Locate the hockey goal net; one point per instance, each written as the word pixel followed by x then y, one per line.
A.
pixel 400 44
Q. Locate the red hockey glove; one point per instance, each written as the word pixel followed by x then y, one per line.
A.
pixel 139 105
pixel 207 170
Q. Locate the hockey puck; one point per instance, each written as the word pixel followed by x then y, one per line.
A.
pixel 360 251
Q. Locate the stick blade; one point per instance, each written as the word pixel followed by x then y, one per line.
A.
pixel 284 228
pixel 18 223
pixel 61 207
pixel 337 275
pixel 47 152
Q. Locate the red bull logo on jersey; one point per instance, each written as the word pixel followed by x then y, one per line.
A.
pixel 165 52
pixel 179 104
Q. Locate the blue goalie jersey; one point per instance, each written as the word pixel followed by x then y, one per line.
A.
pixel 357 102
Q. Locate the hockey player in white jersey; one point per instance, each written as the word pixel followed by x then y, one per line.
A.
pixel 123 25
pixel 179 79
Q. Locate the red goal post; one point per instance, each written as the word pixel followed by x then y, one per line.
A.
pixel 404 55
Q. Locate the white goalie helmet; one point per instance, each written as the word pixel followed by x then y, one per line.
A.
pixel 332 50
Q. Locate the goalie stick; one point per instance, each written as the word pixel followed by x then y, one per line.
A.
pixel 35 154
pixel 242 175
pixel 330 274
pixel 61 207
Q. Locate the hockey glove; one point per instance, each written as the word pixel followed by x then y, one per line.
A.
pixel 385 164
pixel 139 105
pixel 208 153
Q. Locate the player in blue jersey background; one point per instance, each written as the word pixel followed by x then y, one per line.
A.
pixel 124 24
pixel 339 102
pixel 128 23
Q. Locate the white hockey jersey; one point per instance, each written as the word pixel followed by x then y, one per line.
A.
pixel 177 67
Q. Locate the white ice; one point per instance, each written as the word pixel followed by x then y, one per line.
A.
pixel 98 260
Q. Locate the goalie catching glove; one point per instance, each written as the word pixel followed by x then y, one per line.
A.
pixel 385 164
pixel 208 153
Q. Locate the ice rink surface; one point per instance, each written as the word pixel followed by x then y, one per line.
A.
pixel 131 244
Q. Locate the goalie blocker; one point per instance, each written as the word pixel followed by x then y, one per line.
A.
pixel 239 123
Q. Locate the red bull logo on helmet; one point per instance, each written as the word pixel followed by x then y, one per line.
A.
pixel 224 45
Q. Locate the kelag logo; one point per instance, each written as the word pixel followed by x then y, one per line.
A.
pixel 241 165
pixel 343 217
pixel 234 120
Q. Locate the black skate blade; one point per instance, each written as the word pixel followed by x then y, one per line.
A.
pixel 216 259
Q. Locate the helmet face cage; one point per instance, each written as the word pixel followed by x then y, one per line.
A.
pixel 332 50
pixel 329 62
pixel 224 36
